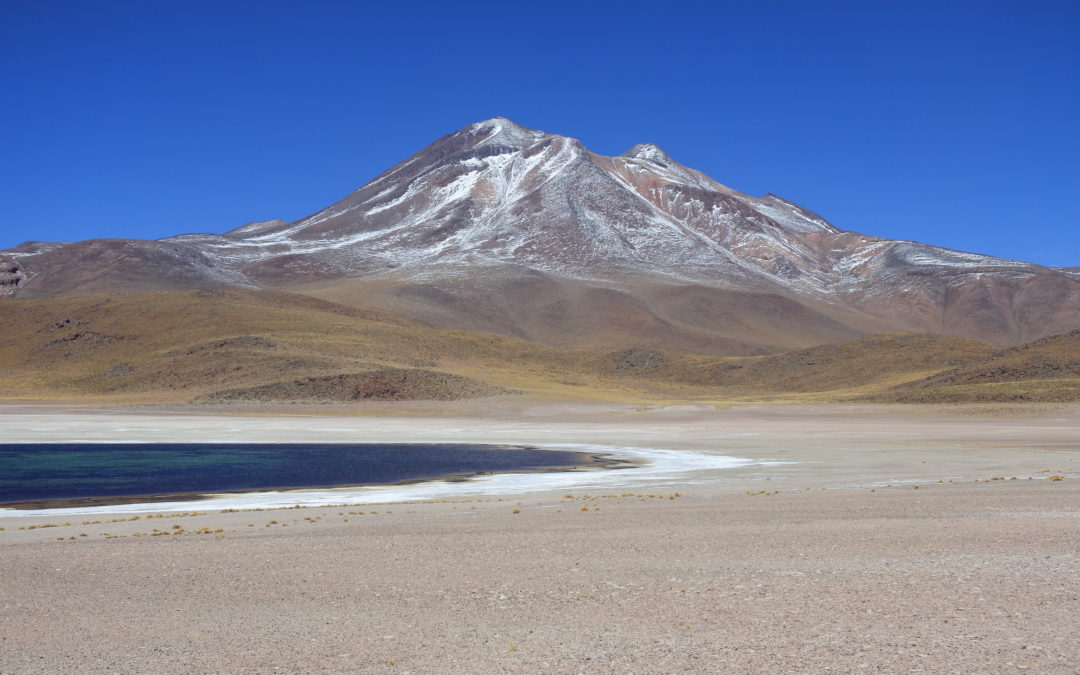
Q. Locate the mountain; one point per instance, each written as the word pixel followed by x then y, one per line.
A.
pixel 510 230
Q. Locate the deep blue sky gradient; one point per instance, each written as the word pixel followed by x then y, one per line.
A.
pixel 952 123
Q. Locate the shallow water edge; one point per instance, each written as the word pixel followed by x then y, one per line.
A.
pixel 638 468
pixel 580 462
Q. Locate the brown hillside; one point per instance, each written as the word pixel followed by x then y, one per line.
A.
pixel 852 364
pixel 174 346
pixel 1043 370
pixel 576 314
pixel 227 345
pixel 865 362
pixel 382 384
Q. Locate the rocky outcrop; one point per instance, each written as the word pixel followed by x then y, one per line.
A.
pixel 382 384
pixel 636 360
pixel 11 276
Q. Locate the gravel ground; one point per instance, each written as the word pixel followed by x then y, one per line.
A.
pixel 971 576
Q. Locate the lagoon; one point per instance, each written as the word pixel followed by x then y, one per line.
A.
pixel 44 475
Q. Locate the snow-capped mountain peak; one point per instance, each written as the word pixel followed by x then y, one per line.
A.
pixel 498 196
pixel 649 152
pixel 501 131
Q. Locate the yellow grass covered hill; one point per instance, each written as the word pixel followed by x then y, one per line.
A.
pixel 1046 370
pixel 240 345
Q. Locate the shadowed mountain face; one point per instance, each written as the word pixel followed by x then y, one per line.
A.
pixel 515 231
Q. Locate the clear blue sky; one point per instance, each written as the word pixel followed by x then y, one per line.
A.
pixel 953 123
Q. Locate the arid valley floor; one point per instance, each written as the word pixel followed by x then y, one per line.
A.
pixel 859 539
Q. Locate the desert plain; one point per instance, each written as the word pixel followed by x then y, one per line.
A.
pixel 855 538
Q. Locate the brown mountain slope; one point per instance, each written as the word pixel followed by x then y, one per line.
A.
pixel 865 363
pixel 1043 370
pixel 378 384
pixel 577 314
pixel 228 345
pixel 174 346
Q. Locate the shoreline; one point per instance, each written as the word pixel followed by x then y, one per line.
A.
pixel 636 468
pixel 682 445
pixel 171 500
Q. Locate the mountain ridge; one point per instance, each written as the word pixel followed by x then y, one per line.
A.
pixel 485 209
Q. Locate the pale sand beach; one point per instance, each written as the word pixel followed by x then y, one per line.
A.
pixel 843 539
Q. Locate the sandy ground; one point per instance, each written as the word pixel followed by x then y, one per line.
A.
pixel 684 572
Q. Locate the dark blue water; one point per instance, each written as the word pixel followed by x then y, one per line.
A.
pixel 42 472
